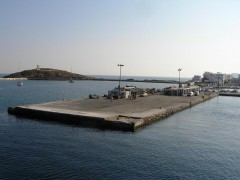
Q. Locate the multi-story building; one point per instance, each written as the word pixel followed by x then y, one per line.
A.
pixel 208 77
pixel 197 78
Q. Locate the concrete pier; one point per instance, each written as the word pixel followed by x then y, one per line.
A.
pixel 121 114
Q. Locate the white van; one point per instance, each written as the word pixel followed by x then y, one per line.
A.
pixel 190 93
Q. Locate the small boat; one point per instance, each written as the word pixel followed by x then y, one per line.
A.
pixel 19 83
pixel 71 80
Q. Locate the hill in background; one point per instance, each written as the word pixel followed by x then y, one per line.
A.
pixel 48 74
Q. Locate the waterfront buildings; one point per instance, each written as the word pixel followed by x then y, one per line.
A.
pixel 217 78
pixel 197 78
pixel 182 91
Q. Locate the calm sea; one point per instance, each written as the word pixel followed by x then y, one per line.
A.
pixel 198 143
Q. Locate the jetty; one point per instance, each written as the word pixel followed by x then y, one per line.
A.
pixel 119 114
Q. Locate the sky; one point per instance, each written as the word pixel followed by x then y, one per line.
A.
pixel 149 37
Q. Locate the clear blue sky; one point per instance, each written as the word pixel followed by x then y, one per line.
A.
pixel 150 37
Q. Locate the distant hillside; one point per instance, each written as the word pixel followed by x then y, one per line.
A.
pixel 1 75
pixel 48 74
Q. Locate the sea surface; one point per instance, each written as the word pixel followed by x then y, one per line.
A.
pixel 198 143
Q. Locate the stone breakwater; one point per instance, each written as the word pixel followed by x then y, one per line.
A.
pixel 121 114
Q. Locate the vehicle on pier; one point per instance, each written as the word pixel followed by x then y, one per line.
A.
pixel 190 93
pixel 93 96
pixel 196 93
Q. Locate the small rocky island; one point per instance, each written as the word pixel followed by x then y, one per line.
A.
pixel 48 74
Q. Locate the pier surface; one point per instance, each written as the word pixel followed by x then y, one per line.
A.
pixel 120 114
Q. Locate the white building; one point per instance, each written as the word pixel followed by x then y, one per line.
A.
pixel 220 78
pixel 125 92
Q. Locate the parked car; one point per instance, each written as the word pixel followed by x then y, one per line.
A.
pixel 196 93
pixel 143 94
pixel 190 94
pixel 93 96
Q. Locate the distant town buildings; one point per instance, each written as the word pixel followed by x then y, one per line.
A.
pixel 217 78
pixel 38 67
pixel 197 78
pixel 238 79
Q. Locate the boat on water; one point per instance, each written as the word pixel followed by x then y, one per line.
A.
pixel 19 83
pixel 71 80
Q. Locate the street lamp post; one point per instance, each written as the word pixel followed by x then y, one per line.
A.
pixel 119 86
pixel 179 70
pixel 218 80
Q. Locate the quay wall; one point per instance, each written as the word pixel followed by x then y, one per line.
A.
pixel 71 119
pixel 60 117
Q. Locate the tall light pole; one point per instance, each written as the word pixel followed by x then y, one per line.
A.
pixel 179 70
pixel 119 86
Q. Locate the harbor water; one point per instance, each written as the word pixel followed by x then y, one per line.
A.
pixel 202 142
